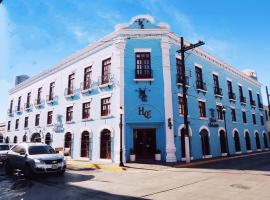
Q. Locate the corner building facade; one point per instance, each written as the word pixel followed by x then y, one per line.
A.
pixel 74 106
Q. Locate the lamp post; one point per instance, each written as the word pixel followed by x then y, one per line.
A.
pixel 121 112
pixel 225 124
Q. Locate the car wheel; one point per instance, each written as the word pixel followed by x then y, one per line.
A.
pixel 8 168
pixel 61 173
pixel 28 172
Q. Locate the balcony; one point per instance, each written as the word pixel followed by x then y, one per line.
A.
pixel 39 103
pixel 260 105
pixel 86 87
pixel 200 85
pixel 10 112
pixel 51 99
pixel 232 96
pixel 70 92
pixel 243 99
pixel 252 103
pixel 218 91
pixel 105 81
pixel 180 79
pixel 18 109
pixel 143 75
pixel 27 107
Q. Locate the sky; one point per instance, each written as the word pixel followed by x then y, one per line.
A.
pixel 36 34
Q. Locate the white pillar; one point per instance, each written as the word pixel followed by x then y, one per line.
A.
pixel 187 149
pixel 170 146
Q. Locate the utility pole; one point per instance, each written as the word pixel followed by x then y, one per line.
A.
pixel 183 73
pixel 267 94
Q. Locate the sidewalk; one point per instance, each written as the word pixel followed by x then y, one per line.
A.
pixel 151 166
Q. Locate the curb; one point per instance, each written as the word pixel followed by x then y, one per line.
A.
pixel 215 160
pixel 79 165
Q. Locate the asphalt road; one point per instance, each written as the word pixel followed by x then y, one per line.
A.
pixel 243 178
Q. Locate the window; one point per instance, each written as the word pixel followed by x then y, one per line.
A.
pixel 51 92
pixel 217 89
pixel 143 65
pixel 26 122
pixel 179 71
pixel 87 78
pixel 49 117
pixel 252 102
pixel 105 76
pixel 199 79
pixel 8 126
pixel 28 100
pixel 262 120
pixel 17 124
pixel 37 120
pixel 233 113
pixel 220 112
pixel 241 94
pixel 105 106
pixel 71 79
pixel 202 109
pixel 38 100
pixel 69 114
pixel 244 117
pixel 266 115
pixel 254 118
pixel 11 106
pixel 181 105
pixel 19 104
pixel 86 110
pixel 230 91
pixel 259 101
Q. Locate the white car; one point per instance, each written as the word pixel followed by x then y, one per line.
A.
pixel 4 148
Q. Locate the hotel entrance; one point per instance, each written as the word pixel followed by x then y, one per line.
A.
pixel 144 143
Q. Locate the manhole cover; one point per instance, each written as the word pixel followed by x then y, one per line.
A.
pixel 240 186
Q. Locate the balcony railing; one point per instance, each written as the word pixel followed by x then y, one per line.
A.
pixel 10 112
pixel 86 87
pixel 27 106
pixel 218 91
pixel 51 98
pixel 69 92
pixel 232 96
pixel 180 79
pixel 252 103
pixel 260 105
pixel 143 74
pixel 18 109
pixel 39 102
pixel 243 99
pixel 105 80
pixel 200 85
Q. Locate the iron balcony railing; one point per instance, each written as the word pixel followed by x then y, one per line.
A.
pixel 200 85
pixel 51 98
pixel 218 91
pixel 243 99
pixel 180 79
pixel 86 86
pixel 232 95
pixel 143 73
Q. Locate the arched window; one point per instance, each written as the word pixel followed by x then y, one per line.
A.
pixel 85 144
pixel 237 143
pixel 36 137
pixel 15 139
pixel 205 142
pixel 248 143
pixel 1 138
pixel 67 144
pixel 7 139
pixel 48 138
pixel 265 141
pixel 24 138
pixel 258 143
pixel 105 144
pixel 223 143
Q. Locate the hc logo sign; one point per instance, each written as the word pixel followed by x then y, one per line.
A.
pixel 146 114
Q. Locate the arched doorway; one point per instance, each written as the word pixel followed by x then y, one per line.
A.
pixel 85 145
pixel 223 143
pixel 36 137
pixel 15 139
pixel 237 143
pixel 7 140
pixel 105 144
pixel 258 143
pixel 183 146
pixel 48 138
pixel 205 142
pixel 248 143
pixel 1 138
pixel 67 144
pixel 266 146
pixel 24 138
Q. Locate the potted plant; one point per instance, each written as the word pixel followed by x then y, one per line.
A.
pixel 132 156
pixel 158 155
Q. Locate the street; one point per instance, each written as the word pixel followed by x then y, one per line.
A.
pixel 242 178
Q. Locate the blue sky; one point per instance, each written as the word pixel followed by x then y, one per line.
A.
pixel 37 34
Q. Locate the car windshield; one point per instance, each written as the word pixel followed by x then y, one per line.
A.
pixel 34 150
pixel 4 147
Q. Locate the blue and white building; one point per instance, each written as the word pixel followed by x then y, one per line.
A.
pixel 74 105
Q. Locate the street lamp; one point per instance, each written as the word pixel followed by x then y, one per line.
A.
pixel 225 124
pixel 121 113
